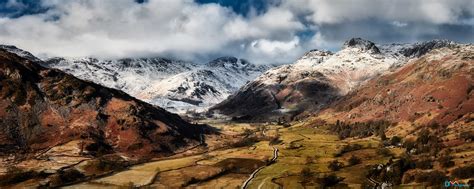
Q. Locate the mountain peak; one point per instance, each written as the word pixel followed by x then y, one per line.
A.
pixel 419 49
pixel 222 60
pixel 20 52
pixel 362 44
pixel 229 61
pixel 317 52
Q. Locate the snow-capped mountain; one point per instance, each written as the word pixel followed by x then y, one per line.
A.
pixel 175 85
pixel 319 77
pixel 19 52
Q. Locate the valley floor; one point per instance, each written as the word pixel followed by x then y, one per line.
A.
pixel 301 146
pixel 302 155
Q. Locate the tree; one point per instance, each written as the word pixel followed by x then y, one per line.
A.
pixel 464 172
pixel 329 180
pixel 384 152
pixel 354 160
pixel 432 178
pixel 383 137
pixel 335 165
pixel 395 140
pixel 446 161
pixel 306 175
pixel 247 132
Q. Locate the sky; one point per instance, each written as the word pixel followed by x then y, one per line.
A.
pixel 261 31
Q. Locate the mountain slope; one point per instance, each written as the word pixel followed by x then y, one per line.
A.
pixel 318 78
pixel 41 108
pixel 175 85
pixel 435 88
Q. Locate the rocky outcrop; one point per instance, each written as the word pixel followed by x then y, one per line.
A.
pixel 362 44
pixel 420 49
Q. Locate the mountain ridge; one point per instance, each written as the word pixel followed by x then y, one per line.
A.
pixel 176 85
pixel 319 77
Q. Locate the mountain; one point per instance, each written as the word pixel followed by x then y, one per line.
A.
pixel 318 78
pixel 41 108
pixel 176 85
pixel 19 52
pixel 434 88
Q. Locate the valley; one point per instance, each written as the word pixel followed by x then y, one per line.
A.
pixel 301 146
pixel 236 94
pixel 367 116
pixel 305 152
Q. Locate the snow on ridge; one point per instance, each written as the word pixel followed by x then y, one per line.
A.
pixel 357 61
pixel 176 85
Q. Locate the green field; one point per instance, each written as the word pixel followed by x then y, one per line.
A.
pixel 299 147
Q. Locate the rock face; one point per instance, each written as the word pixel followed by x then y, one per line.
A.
pixel 41 108
pixel 434 88
pixel 318 78
pixel 175 85
pixel 363 44
pixel 419 49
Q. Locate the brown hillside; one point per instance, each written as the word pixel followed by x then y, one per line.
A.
pixel 41 108
pixel 435 88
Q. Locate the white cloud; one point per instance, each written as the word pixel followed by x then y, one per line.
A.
pixel 336 11
pixel 272 47
pixel 117 28
pixel 185 29
pixel 399 24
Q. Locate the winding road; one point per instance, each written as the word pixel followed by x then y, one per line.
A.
pixel 252 176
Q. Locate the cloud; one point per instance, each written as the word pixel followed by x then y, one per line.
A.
pixel 336 11
pixel 189 30
pixel 121 28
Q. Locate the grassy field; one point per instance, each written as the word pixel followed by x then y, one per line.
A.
pixel 301 146
pixel 313 148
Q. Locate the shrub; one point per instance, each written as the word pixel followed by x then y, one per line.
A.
pixel 423 136
pixel 446 161
pixel 306 175
pixel 247 141
pixel 467 136
pixel 309 160
pixel 424 164
pixel 69 175
pixel 349 148
pixel 464 172
pixel 395 140
pixel 329 180
pixel 409 144
pixel 360 129
pixel 384 152
pixel 15 175
pixel 382 135
pixel 247 132
pixel 335 165
pixel 354 160
pixel 275 141
pixel 432 178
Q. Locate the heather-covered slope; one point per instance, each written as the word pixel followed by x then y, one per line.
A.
pixel 435 88
pixel 41 108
